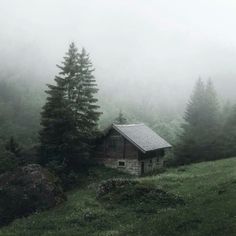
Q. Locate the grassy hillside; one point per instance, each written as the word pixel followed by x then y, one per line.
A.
pixel 208 189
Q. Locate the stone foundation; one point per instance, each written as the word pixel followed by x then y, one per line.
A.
pixel 132 166
pixel 150 164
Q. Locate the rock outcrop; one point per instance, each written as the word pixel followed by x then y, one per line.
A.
pixel 26 190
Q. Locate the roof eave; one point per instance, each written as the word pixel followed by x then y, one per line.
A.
pixel 135 144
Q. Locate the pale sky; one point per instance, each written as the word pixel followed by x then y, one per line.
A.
pixel 132 43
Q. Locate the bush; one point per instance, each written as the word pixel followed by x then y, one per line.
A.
pixel 29 155
pixel 111 185
pixel 68 177
pixel 7 161
pixel 170 160
pixel 132 193
pixel 26 190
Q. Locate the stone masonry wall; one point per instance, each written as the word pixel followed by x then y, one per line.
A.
pixel 132 166
pixel 151 164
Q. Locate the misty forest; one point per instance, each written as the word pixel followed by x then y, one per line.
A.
pixel 118 118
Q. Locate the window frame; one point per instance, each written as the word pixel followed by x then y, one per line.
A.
pixel 123 163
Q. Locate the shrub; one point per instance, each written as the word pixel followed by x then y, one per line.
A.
pixel 108 186
pixel 28 189
pixel 29 155
pixel 170 160
pixel 7 161
pixel 132 193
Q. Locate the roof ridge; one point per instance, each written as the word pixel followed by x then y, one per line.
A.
pixel 137 124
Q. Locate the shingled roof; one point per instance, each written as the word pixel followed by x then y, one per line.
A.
pixel 142 137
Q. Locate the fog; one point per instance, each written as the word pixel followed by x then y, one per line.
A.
pixel 150 52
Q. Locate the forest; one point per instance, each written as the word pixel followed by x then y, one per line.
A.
pixel 205 130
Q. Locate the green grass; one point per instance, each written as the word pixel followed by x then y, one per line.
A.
pixel 208 189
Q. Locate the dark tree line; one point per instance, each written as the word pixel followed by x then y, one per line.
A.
pixel 207 134
pixel 69 120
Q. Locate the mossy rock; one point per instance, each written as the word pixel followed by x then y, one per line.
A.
pixel 26 190
pixel 132 193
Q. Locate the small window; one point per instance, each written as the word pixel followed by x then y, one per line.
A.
pixel 121 164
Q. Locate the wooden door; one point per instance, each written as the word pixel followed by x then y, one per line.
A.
pixel 142 167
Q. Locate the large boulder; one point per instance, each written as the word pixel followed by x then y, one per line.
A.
pixel 26 190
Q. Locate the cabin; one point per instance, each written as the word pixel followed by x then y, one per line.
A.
pixel 132 148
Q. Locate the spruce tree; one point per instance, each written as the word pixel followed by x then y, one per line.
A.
pixel 211 122
pixel 13 147
pixel 59 136
pixel 228 135
pixel 69 70
pixel 199 138
pixel 193 114
pixel 86 103
pixel 121 119
pixel 211 108
pixel 70 116
pixel 187 148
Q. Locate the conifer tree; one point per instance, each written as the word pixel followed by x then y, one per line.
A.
pixel 13 147
pixel 211 123
pixel 121 119
pixel 69 117
pixel 193 114
pixel 86 102
pixel 199 137
pixel 58 136
pixel 228 135
pixel 69 71
pixel 186 149
pixel 211 108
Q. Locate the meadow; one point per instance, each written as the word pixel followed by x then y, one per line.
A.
pixel 208 190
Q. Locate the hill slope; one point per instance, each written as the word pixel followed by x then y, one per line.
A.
pixel 208 189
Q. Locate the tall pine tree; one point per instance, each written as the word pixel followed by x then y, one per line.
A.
pixel 228 135
pixel 86 102
pixel 69 70
pixel 58 137
pixel 70 114
pixel 199 137
pixel 211 112
pixel 193 114
pixel 121 119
